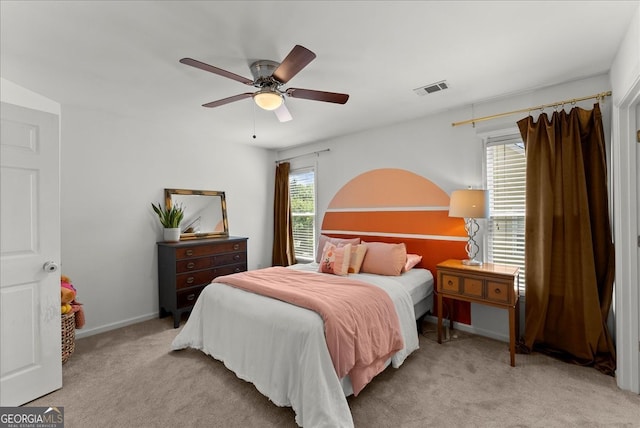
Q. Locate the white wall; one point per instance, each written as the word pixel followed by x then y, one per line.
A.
pixel 113 168
pixel 626 65
pixel 449 156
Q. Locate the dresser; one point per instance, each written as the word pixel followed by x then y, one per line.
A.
pixel 186 267
pixel 489 284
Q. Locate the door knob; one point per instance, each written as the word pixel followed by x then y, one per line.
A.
pixel 50 267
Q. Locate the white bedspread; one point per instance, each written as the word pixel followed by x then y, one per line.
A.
pixel 281 348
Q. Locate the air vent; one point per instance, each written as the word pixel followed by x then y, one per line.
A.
pixel 433 87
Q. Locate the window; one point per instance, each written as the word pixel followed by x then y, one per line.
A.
pixel 505 176
pixel 302 191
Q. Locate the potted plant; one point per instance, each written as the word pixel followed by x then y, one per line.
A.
pixel 170 219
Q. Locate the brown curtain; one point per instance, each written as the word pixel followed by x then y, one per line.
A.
pixel 283 252
pixel 569 253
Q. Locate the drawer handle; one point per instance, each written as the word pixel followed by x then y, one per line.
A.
pixel 191 265
pixel 236 246
pixel 238 269
pixel 190 280
pixel 191 297
pixel 497 291
pixel 189 252
pixel 450 282
pixel 236 257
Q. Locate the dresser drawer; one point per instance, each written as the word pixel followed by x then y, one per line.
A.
pixel 200 263
pixel 228 270
pixel 450 283
pixel 192 279
pixel 472 287
pixel 206 250
pixel 498 291
pixel 189 296
pixel 204 277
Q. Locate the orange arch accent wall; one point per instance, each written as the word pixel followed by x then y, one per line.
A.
pixel 389 187
pixel 396 205
pixel 437 223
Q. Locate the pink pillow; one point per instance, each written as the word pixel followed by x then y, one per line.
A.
pixel 337 241
pixel 412 260
pixel 357 256
pixel 384 259
pixel 335 260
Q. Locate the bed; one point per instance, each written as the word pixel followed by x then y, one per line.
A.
pixel 281 348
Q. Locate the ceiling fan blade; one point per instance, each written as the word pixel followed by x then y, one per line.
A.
pixel 216 70
pixel 295 61
pixel 282 113
pixel 309 94
pixel 228 100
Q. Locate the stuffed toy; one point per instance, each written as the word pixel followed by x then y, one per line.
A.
pixel 66 297
pixel 68 301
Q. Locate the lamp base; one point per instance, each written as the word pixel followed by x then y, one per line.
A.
pixel 472 262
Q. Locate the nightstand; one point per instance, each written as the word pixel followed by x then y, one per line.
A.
pixel 488 284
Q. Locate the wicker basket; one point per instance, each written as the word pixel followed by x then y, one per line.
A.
pixel 68 335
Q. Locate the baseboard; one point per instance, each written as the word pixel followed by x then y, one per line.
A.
pixel 113 326
pixel 471 329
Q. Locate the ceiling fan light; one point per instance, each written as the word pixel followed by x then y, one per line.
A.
pixel 268 100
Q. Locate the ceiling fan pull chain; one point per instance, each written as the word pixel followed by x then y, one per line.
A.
pixel 254 120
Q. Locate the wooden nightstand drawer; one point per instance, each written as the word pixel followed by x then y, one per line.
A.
pixel 450 283
pixel 472 287
pixel 498 291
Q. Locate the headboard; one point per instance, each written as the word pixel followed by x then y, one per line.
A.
pixel 396 205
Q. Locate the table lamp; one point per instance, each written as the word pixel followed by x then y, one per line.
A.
pixel 469 204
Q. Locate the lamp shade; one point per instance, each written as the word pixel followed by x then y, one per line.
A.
pixel 469 203
pixel 268 100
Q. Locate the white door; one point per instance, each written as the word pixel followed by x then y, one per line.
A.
pixel 637 128
pixel 30 360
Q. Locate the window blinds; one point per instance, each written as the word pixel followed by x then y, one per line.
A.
pixel 302 194
pixel 505 175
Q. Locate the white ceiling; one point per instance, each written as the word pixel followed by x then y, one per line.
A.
pixel 121 57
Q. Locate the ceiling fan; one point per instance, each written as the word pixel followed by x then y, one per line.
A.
pixel 269 77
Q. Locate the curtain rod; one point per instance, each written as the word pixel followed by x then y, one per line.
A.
pixel 299 156
pixel 599 96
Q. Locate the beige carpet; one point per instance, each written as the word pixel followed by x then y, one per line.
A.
pixel 130 378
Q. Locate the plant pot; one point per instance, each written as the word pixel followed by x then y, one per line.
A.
pixel 172 234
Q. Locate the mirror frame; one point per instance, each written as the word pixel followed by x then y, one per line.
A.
pixel 212 234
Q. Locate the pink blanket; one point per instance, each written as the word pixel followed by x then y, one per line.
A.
pixel 360 321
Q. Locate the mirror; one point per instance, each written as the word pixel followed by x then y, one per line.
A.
pixel 205 212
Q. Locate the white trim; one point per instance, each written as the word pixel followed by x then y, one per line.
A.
pixel 498 133
pixel 113 326
pixel 396 235
pixel 625 210
pixel 467 328
pixel 384 209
